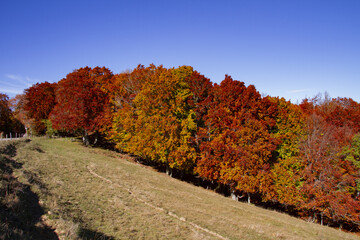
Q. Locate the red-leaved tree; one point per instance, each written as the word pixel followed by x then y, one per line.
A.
pixel 237 144
pixel 38 103
pixel 81 100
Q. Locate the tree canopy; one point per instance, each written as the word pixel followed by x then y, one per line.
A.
pixel 303 158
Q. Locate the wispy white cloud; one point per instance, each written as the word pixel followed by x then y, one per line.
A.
pixel 300 90
pixel 14 77
pixel 13 84
pixel 10 84
pixel 11 91
pixel 24 80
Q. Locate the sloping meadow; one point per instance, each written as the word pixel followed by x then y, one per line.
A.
pixel 89 193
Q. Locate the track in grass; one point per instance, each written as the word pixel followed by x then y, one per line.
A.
pixel 156 207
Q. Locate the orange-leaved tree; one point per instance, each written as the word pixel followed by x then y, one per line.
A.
pixel 329 175
pixel 5 114
pixel 9 124
pixel 119 126
pixel 200 102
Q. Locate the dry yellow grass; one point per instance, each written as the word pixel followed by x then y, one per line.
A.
pixel 97 194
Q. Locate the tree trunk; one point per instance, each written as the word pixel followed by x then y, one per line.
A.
pixel 249 201
pixel 234 196
pixel 86 141
pixel 314 220
pixel 168 170
pixel 182 175
pixel 322 218
pixel 96 137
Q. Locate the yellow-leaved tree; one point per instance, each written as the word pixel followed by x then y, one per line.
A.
pixel 152 117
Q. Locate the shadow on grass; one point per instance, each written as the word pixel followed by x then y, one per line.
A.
pixel 21 215
pixel 20 211
pixel 9 150
pixel 87 234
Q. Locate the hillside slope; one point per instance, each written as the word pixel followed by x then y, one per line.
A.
pixel 97 194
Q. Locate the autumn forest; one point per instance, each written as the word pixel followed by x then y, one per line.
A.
pixel 303 159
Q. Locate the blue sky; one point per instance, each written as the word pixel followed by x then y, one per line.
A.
pixel 292 49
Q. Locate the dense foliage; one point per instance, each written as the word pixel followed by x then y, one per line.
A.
pixel 303 158
pixel 80 101
pixel 38 103
pixel 9 124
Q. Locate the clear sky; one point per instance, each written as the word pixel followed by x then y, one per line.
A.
pixel 287 48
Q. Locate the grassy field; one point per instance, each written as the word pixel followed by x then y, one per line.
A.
pixel 88 193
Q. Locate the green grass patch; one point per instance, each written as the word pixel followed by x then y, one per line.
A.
pixel 130 201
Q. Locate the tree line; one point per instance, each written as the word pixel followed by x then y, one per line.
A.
pixel 303 158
